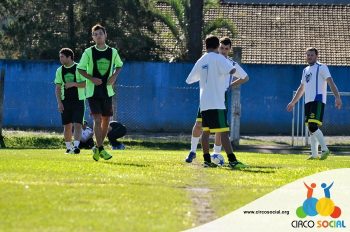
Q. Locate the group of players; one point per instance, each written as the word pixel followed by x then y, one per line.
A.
pixel 214 72
pixel 93 79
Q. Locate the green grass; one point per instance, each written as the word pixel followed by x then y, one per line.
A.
pixel 138 190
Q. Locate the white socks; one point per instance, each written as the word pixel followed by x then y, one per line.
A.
pixel 68 145
pixel 217 149
pixel 76 143
pixel 314 145
pixel 194 143
pixel 319 135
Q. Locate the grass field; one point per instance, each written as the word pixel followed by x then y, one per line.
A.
pixel 138 190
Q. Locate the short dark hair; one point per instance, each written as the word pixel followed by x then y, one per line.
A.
pixel 212 42
pixel 226 41
pixel 67 52
pixel 98 27
pixel 312 49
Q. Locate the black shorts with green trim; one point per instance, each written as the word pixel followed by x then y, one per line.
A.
pixel 215 120
pixel 73 111
pixel 101 106
pixel 314 112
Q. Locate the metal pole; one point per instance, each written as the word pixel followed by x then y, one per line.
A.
pixel 236 103
pixel 298 115
pixel 2 84
pixel 293 121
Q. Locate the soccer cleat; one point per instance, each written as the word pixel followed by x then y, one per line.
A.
pixel 190 157
pixel 76 150
pixel 313 158
pixel 207 164
pixel 104 154
pixel 119 147
pixel 69 151
pixel 237 165
pixel 325 155
pixel 96 154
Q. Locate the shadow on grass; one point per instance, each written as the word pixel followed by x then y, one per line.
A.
pixel 127 164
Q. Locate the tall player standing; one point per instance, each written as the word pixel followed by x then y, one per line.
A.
pixel 314 82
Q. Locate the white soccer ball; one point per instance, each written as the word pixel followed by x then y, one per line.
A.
pixel 217 159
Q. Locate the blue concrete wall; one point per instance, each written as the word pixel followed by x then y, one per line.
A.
pixel 154 97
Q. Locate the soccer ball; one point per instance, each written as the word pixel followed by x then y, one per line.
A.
pixel 217 159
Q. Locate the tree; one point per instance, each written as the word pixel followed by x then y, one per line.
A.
pixel 187 25
pixel 36 29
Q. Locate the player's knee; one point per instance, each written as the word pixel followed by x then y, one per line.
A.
pixel 312 127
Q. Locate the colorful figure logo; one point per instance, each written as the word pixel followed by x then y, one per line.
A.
pixel 323 206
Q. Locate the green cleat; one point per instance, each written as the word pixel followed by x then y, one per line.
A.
pixel 96 154
pixel 313 158
pixel 237 165
pixel 104 154
pixel 325 155
pixel 209 164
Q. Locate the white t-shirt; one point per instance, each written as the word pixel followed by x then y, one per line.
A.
pixel 314 79
pixel 211 70
pixel 86 134
pixel 239 74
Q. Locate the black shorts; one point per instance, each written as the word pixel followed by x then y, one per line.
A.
pixel 215 120
pixel 101 106
pixel 314 112
pixel 73 112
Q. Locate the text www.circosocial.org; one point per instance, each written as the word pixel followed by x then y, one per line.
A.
pixel 285 212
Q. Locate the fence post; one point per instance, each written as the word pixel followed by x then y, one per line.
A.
pixel 2 83
pixel 236 103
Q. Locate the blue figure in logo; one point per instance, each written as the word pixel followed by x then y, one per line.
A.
pixel 327 192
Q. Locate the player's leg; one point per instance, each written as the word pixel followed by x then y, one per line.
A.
pixel 220 125
pixel 66 117
pixel 314 120
pixel 196 134
pixel 107 112
pixel 206 118
pixel 67 132
pixel 217 143
pixel 313 140
pixel 116 133
pixel 96 112
pixel 78 117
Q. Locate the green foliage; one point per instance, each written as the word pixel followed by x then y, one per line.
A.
pixel 180 24
pixel 38 29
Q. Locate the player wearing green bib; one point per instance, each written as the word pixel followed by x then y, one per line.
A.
pixel 100 65
pixel 70 96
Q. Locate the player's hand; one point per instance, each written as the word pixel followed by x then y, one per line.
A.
pixel 70 85
pixel 96 81
pixel 290 106
pixel 60 107
pixel 338 103
pixel 111 80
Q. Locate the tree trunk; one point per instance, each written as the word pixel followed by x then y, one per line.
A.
pixel 195 42
pixel 71 23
